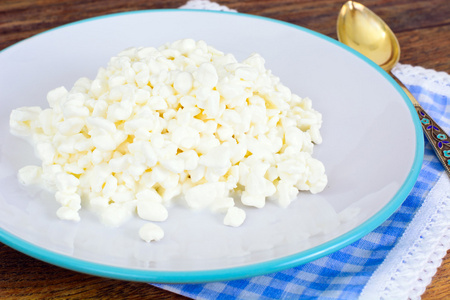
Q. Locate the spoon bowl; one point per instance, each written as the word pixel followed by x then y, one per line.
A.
pixel 362 30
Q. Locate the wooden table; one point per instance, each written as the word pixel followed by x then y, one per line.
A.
pixel 423 29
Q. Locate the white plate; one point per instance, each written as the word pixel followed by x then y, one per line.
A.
pixel 372 150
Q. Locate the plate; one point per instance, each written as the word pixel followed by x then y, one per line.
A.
pixel 372 150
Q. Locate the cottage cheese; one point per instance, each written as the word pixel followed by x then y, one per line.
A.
pixel 183 120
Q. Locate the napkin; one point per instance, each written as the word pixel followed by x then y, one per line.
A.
pixel 395 261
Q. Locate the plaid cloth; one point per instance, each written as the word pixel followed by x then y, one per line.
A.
pixel 343 274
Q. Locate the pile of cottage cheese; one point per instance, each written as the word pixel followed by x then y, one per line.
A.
pixel 181 121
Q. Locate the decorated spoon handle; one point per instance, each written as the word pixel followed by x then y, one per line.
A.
pixel 436 136
pixel 439 140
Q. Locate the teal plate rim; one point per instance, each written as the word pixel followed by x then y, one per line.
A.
pixel 200 276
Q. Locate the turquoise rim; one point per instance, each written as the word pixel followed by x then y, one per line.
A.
pixel 275 265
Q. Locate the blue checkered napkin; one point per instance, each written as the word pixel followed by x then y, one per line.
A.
pixel 343 274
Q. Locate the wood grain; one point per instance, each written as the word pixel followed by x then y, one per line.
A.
pixel 423 29
pixel 23 277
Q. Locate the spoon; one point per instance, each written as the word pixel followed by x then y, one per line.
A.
pixel 362 30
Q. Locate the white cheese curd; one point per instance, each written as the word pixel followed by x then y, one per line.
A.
pixel 151 232
pixel 183 120
pixel 234 217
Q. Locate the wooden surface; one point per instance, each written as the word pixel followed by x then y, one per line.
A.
pixel 423 29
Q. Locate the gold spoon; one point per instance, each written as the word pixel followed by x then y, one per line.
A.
pixel 361 29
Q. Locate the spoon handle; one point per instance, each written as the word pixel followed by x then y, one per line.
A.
pixel 438 138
